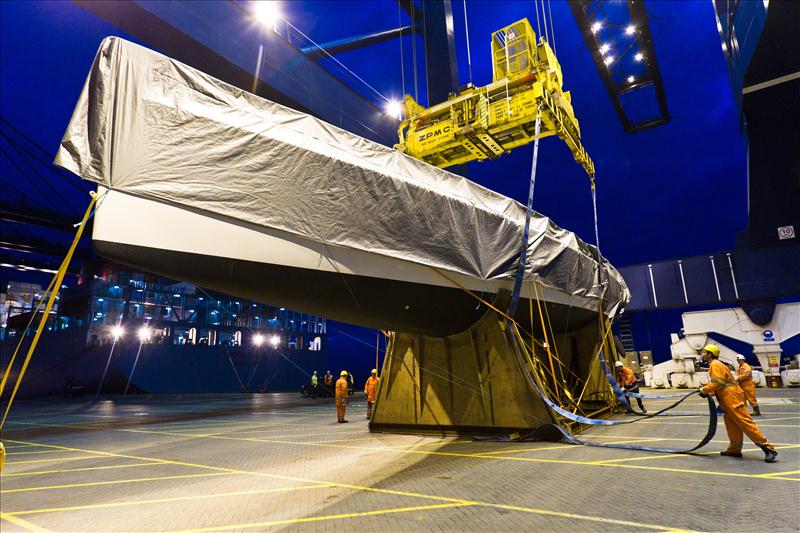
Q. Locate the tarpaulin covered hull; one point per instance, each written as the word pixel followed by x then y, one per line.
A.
pixel 276 268
pixel 193 148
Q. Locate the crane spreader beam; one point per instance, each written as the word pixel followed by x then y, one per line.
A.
pixel 486 122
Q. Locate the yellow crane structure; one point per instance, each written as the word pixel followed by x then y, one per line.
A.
pixel 486 122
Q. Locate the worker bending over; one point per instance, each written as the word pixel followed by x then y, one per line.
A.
pixel 627 380
pixel 341 397
pixel 730 396
pixel 371 390
pixel 744 376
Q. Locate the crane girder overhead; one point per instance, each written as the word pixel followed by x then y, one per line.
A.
pixel 486 122
pixel 630 74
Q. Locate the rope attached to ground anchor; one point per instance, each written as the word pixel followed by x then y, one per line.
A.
pixel 50 296
pixel 557 432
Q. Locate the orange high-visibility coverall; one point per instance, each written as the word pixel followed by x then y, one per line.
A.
pixel 371 389
pixel 744 376
pixel 731 398
pixel 341 398
pixel 625 376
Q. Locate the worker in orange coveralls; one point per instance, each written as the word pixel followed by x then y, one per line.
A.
pixel 341 397
pixel 627 380
pixel 371 390
pixel 730 396
pixel 744 376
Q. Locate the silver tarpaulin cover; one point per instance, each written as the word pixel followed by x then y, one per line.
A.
pixel 150 126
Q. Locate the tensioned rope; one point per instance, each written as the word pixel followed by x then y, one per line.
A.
pixel 51 298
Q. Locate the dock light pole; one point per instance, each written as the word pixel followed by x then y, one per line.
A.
pixel 144 334
pixel 116 332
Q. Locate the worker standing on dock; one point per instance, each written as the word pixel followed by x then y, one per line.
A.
pixel 328 384
pixel 341 397
pixel 627 380
pixel 730 396
pixel 314 384
pixel 744 376
pixel 371 390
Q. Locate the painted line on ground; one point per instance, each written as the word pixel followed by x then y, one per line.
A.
pixel 41 472
pixel 451 454
pixel 566 446
pixel 464 455
pixel 374 489
pixel 113 482
pixel 36 452
pixel 791 472
pixel 53 460
pixel 164 500
pixel 287 521
pixel 655 457
pixel 24 524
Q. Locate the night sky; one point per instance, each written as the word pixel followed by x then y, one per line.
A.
pixel 673 191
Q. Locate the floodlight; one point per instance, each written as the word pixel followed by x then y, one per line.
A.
pixel 258 339
pixel 144 333
pixel 596 27
pixel 639 56
pixel 631 79
pixel 267 12
pixel 275 340
pixel 117 332
pixel 605 48
pixel 608 60
pixel 394 108
pixel 630 30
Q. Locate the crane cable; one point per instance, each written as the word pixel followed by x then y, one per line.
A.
pixel 466 29
pixel 552 29
pixel 402 60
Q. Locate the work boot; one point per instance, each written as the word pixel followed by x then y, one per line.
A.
pixel 769 455
pixel 726 453
pixel 756 412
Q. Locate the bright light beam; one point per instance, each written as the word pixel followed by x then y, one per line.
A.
pixel 394 108
pixel 144 333
pixel 267 12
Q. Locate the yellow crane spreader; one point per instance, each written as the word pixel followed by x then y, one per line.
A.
pixel 486 122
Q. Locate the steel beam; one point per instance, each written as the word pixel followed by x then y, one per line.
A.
pixel 353 43
pixel 441 68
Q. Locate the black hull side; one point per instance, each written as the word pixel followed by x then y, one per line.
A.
pixel 367 301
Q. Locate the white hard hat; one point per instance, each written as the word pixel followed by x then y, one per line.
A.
pixel 740 356
pixel 618 363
